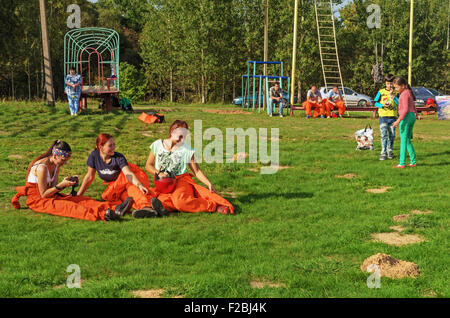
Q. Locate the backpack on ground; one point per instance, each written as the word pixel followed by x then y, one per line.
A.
pixel 364 139
pixel 152 117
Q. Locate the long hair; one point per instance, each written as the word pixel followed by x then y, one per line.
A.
pixel 176 124
pixel 401 81
pixel 58 144
pixel 101 140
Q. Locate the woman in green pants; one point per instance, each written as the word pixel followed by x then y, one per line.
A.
pixel 406 119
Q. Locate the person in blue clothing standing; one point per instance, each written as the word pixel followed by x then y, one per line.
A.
pixel 73 90
pixel 387 102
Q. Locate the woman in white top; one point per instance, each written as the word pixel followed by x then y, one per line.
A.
pixel 168 161
pixel 42 190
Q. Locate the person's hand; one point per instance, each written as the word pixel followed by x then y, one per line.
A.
pixel 143 189
pixel 162 175
pixel 67 183
pixel 211 188
pixel 396 123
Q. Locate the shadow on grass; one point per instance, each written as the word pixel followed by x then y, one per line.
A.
pixel 436 154
pixel 434 164
pixel 273 195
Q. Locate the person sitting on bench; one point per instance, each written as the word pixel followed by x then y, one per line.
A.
pixel 335 100
pixel 276 97
pixel 314 100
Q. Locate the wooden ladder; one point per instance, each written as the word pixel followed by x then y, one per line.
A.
pixel 326 35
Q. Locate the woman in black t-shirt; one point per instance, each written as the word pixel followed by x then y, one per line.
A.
pixel 123 179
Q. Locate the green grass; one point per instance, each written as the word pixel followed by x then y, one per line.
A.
pixel 301 227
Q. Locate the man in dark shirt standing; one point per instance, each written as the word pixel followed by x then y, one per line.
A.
pixel 276 97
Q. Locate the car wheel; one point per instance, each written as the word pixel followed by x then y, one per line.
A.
pixel 362 103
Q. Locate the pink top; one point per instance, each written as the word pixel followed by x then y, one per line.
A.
pixel 406 104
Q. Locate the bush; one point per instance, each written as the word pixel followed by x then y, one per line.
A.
pixel 132 82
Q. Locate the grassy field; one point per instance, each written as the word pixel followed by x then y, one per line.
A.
pixel 303 229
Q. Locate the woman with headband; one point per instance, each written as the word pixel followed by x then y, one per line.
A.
pixel 43 190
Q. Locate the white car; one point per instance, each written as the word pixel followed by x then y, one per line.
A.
pixel 353 98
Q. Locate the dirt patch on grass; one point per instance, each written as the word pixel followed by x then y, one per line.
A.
pixel 147 133
pixel 347 176
pixel 397 228
pixel 264 283
pixel 271 138
pixel 421 212
pixel 227 111
pixel 150 293
pixel 405 217
pixel 3 133
pixel 15 157
pixel 391 267
pixel 429 293
pixel 275 168
pixel 379 190
pixel 231 194
pixel 397 239
pixel 401 217
pixel 240 156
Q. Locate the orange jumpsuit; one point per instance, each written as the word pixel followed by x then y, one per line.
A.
pixel 191 197
pixel 340 105
pixel 78 207
pixel 318 107
pixel 118 190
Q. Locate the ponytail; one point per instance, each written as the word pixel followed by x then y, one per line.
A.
pixel 412 93
pixel 58 144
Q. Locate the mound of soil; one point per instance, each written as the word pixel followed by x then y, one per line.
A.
pixel 391 267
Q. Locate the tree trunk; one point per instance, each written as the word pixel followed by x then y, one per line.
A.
pixel 171 85
pixel 29 80
pixel 234 87
pixel 12 84
pixel 223 90
pixel 299 91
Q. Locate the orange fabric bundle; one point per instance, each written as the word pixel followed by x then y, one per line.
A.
pixel 191 197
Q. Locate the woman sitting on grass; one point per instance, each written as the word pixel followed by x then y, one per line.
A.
pixel 123 179
pixel 42 190
pixel 175 188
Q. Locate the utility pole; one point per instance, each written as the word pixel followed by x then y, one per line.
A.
pixel 294 52
pixel 266 46
pixel 411 21
pixel 46 52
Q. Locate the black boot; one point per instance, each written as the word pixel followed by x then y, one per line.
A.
pixel 157 205
pixel 146 212
pixel 110 215
pixel 124 207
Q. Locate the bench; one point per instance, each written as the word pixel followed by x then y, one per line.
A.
pixel 372 109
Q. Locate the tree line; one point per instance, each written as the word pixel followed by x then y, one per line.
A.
pixel 197 50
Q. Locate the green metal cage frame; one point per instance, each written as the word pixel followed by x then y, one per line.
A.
pixel 100 41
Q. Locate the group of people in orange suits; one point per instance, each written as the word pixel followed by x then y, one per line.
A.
pixel 319 105
pixel 127 185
